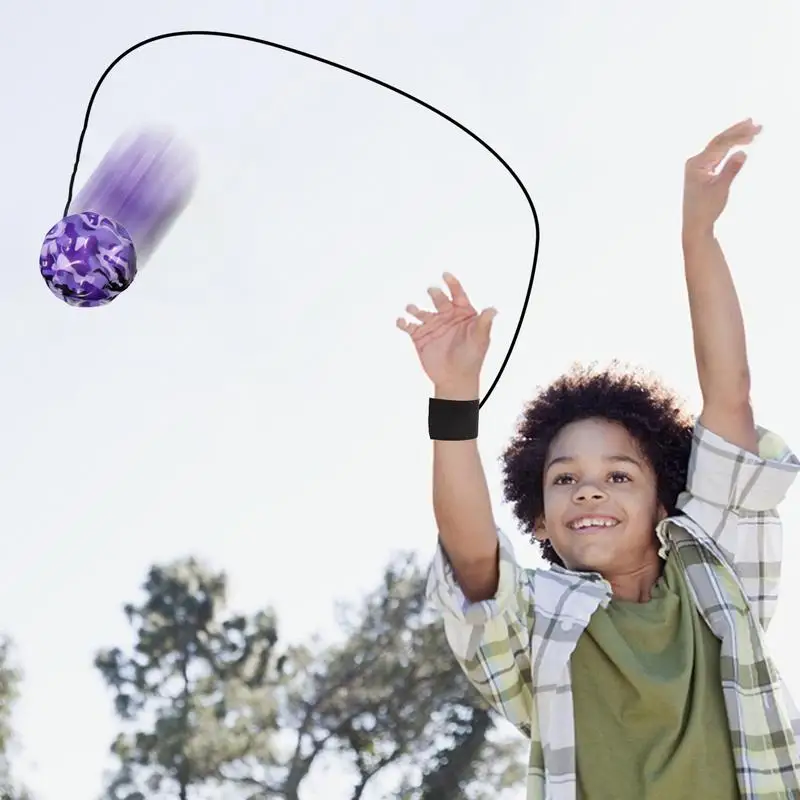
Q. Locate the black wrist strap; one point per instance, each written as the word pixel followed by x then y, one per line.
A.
pixel 453 420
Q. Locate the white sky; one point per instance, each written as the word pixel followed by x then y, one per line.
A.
pixel 249 399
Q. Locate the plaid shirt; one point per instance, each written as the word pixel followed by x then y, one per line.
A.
pixel 515 648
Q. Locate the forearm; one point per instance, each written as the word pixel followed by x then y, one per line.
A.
pixel 717 325
pixel 463 510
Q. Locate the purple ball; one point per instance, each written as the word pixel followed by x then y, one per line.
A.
pixel 87 259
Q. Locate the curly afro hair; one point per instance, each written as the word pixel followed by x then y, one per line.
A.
pixel 651 414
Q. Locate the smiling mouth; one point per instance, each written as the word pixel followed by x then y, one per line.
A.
pixel 593 524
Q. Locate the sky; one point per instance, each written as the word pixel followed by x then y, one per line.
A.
pixel 249 400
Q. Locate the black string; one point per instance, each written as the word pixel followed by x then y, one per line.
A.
pixel 285 48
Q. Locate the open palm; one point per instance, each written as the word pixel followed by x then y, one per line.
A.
pixel 451 341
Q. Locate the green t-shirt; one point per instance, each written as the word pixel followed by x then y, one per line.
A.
pixel 650 721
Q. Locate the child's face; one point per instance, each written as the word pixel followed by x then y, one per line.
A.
pixel 595 473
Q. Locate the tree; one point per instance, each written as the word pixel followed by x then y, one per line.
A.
pixel 186 656
pixel 223 710
pixel 393 695
pixel 10 678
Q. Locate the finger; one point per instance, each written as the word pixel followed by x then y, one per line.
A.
pixel 456 290
pixel 407 327
pixel 483 324
pixel 422 316
pixel 732 167
pixel 440 300
pixel 742 133
pixel 736 130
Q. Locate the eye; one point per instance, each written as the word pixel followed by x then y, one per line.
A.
pixel 620 477
pixel 562 480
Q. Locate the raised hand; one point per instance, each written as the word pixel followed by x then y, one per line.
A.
pixel 705 193
pixel 451 341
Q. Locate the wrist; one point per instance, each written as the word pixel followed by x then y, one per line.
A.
pixel 457 390
pixel 693 236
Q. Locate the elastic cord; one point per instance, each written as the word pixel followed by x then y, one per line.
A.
pixel 342 68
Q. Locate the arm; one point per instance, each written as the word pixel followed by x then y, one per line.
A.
pixel 717 325
pixel 719 342
pixel 491 640
pixel 475 582
pixel 485 596
pixel 738 473
pixel 732 495
pixel 463 510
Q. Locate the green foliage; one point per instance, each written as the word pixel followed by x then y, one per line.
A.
pixel 9 692
pixel 214 706
pixel 184 679
pixel 10 678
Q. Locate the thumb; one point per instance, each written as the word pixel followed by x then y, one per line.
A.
pixel 732 167
pixel 483 326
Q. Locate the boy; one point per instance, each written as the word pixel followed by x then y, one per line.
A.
pixel 636 664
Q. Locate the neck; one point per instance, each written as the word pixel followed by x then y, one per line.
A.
pixel 635 585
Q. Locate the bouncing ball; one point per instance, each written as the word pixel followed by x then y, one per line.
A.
pixel 87 259
pixel 117 220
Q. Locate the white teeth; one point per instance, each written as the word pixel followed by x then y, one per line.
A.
pixel 593 522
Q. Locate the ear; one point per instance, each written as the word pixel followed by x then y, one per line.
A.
pixel 661 514
pixel 539 530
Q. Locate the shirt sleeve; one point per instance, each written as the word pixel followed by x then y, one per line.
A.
pixel 733 496
pixel 491 639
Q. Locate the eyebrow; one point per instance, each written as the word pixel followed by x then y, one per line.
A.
pixel 617 459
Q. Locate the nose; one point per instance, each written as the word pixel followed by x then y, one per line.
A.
pixel 588 492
